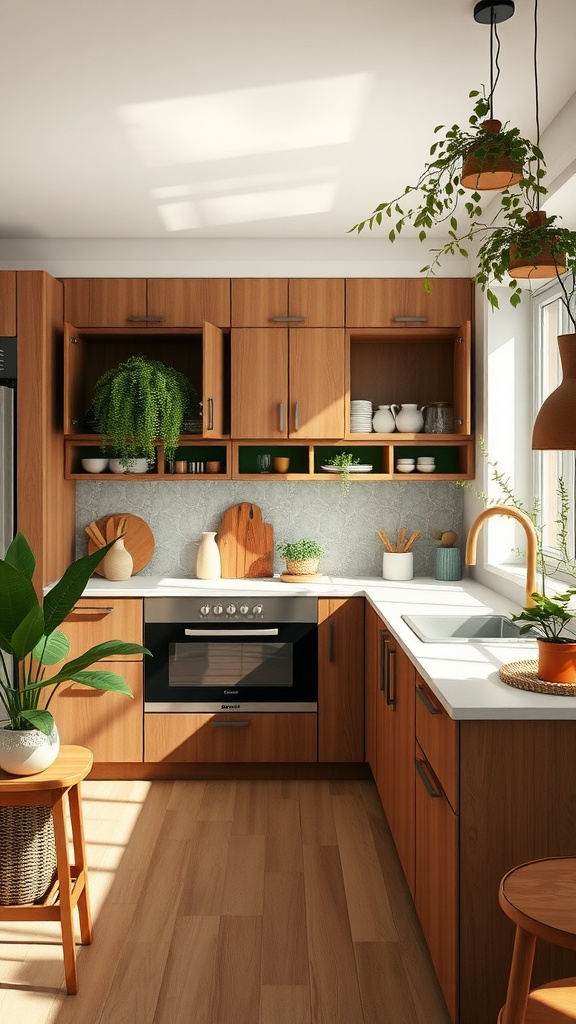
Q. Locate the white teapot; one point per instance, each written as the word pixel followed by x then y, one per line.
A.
pixel 383 421
pixel 410 419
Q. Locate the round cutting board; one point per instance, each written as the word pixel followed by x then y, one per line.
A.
pixel 138 539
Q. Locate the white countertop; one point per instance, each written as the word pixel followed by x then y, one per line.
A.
pixel 464 676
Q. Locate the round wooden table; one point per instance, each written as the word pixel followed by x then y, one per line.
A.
pixel 55 787
pixel 540 897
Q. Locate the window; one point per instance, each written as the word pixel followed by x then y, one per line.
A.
pixel 551 319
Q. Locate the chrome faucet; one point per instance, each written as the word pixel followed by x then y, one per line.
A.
pixel 531 542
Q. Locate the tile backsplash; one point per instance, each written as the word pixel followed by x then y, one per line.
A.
pixel 346 526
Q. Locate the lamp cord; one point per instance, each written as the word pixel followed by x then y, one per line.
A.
pixel 494 61
pixel 536 96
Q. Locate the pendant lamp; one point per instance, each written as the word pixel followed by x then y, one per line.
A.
pixel 555 425
pixel 479 171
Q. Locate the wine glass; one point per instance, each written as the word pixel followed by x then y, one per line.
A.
pixel 264 462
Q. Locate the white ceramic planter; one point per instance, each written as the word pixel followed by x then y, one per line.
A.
pixel 134 466
pixel 28 751
pixel 397 565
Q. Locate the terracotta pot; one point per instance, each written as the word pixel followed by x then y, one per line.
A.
pixel 489 173
pixel 556 662
pixel 540 265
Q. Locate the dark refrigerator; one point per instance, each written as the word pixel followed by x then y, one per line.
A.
pixel 7 442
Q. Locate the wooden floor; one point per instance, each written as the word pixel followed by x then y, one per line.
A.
pixel 247 902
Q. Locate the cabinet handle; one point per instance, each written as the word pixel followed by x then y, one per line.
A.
pixel 391 679
pixel 281 416
pixel 425 699
pixel 297 416
pixel 145 319
pixel 428 785
pixel 210 414
pixel 331 641
pixel 228 725
pixel 287 319
pixel 383 638
pixel 411 319
pixel 104 609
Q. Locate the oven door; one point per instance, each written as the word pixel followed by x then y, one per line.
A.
pixel 231 667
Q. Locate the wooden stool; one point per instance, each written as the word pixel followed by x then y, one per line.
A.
pixel 51 788
pixel 540 897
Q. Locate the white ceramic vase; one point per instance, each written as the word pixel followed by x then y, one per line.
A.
pixel 118 563
pixel 28 751
pixel 208 563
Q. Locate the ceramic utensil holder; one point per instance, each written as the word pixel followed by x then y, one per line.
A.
pixel 448 564
pixel 397 565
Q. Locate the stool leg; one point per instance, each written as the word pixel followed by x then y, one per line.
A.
pixel 84 914
pixel 514 1010
pixel 64 895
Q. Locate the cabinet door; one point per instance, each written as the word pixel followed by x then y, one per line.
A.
pixel 230 738
pixel 373 630
pixel 317 383
pixel 188 302
pixel 436 883
pixel 259 383
pixel 383 302
pixel 319 302
pixel 105 302
pixel 395 757
pixel 96 619
pixel 8 304
pixel 109 724
pixel 257 301
pixel 341 679
pixel 214 403
pixel 438 737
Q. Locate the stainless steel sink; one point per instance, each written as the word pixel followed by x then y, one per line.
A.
pixel 436 629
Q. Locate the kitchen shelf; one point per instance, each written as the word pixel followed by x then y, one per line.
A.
pixel 191 449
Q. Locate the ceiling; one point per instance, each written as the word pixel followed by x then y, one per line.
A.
pixel 245 118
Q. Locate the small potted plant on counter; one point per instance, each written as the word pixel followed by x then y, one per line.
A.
pixel 302 556
pixel 548 620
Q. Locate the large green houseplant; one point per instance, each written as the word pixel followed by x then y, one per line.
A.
pixel 31 642
pixel 140 402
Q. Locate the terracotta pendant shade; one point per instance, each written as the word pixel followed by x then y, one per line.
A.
pixel 555 426
pixel 542 264
pixel 484 174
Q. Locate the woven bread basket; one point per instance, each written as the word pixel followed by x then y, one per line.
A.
pixel 28 854
pixel 303 567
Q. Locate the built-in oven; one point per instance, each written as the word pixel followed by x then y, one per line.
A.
pixel 241 654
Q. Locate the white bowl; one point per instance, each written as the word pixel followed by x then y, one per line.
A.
pixel 406 462
pixel 134 466
pixel 94 465
pixel 404 469
pixel 427 468
pixel 426 462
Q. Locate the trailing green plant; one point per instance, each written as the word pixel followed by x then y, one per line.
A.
pixel 140 402
pixel 342 461
pixel 549 617
pixel 29 635
pixel 438 192
pixel 300 550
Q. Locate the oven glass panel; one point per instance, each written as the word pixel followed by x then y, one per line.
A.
pixel 231 665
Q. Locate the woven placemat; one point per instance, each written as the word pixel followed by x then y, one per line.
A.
pixel 523 675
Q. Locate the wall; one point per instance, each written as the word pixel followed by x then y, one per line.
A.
pixel 346 526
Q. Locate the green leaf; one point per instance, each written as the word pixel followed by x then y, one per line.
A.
pixel 392 235
pixel 60 601
pixel 19 554
pixel 27 634
pixel 41 720
pixel 422 236
pixel 101 652
pixel 52 649
pixel 103 680
pixel 17 599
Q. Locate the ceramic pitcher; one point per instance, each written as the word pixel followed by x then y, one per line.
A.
pixel 383 421
pixel 410 419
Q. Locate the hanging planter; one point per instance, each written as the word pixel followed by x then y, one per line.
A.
pixel 534 254
pixel 488 165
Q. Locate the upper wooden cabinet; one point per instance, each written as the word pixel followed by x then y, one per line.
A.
pixel 8 304
pixel 401 302
pixel 283 302
pixel 287 383
pixel 157 302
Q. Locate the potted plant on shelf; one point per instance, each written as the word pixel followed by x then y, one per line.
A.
pixel 302 556
pixel 138 403
pixel 548 619
pixel 31 643
pixel 342 461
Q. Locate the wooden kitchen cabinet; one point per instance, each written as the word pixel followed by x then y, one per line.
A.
pixel 7 303
pixel 341 679
pixel 287 383
pixel 398 302
pixel 220 738
pixel 373 634
pixel 94 620
pixel 152 303
pixel 282 302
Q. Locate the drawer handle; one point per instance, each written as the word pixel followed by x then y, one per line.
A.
pixel 425 699
pixel 281 416
pixel 411 319
pixel 228 725
pixel 297 416
pixel 145 319
pixel 103 609
pixel 287 319
pixel 428 786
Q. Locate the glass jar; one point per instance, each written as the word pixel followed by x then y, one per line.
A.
pixel 439 418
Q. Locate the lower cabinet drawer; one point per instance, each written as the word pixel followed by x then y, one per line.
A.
pixel 109 724
pixel 221 737
pixel 96 619
pixel 438 737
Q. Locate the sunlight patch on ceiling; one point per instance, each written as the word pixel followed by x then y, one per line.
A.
pixel 246 207
pixel 265 119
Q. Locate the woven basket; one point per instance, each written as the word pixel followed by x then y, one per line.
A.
pixel 28 854
pixel 305 567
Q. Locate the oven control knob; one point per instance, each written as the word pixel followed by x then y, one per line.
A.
pixel 244 609
pixel 231 609
pixel 205 609
pixel 217 609
pixel 257 609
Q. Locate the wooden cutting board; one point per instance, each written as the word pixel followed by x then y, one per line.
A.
pixel 138 539
pixel 246 543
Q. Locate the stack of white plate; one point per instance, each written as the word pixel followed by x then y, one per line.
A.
pixel 360 417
